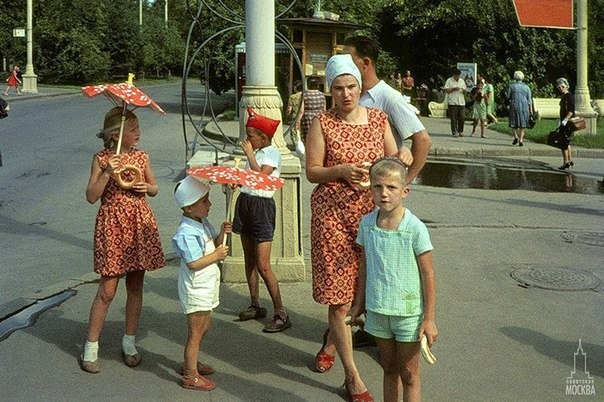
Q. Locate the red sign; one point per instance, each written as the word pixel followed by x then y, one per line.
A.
pixel 545 13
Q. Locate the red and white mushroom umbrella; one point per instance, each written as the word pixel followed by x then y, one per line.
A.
pixel 235 176
pixel 123 94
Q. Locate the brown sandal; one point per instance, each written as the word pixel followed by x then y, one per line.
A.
pixel 132 360
pixel 202 369
pixel 90 367
pixel 324 361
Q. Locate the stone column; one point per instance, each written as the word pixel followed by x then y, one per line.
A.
pixel 582 99
pixel 261 94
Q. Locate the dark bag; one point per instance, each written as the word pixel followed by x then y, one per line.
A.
pixel 557 139
pixel 577 123
pixel 532 121
pixel 4 108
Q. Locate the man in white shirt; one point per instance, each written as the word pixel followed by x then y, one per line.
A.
pixel 455 88
pixel 377 93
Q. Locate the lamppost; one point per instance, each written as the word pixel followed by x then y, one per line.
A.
pixel 582 99
pixel 30 79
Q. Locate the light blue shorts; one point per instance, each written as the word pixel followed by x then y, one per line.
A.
pixel 403 329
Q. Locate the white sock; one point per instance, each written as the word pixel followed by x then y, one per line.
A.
pixel 91 351
pixel 128 345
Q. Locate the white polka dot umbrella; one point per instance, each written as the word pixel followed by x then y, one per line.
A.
pixel 122 94
pixel 234 176
pixel 237 176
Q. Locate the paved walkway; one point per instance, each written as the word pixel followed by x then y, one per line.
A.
pixel 500 339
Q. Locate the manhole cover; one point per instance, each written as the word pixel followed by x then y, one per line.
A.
pixel 556 278
pixel 593 238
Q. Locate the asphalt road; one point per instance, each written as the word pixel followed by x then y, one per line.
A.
pixel 500 338
pixel 47 146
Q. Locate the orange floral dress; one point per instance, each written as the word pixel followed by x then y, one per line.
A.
pixel 337 207
pixel 126 237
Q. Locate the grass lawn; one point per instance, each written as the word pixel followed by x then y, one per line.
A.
pixel 543 127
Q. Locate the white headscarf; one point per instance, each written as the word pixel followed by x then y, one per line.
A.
pixel 341 64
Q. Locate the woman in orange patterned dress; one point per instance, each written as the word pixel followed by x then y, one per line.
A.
pixel 341 142
pixel 126 238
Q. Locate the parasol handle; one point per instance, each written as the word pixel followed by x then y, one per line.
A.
pixel 230 201
pixel 123 123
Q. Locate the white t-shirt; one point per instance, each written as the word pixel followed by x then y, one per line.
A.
pixel 266 156
pixel 403 120
pixel 456 97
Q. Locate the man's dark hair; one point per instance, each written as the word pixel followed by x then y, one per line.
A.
pixel 313 83
pixel 364 46
pixel 456 71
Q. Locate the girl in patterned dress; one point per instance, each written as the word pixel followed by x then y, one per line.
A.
pixel 341 142
pixel 126 238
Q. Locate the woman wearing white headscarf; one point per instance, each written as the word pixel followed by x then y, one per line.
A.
pixel 341 143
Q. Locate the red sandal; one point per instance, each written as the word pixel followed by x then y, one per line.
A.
pixel 324 361
pixel 199 383
pixel 362 397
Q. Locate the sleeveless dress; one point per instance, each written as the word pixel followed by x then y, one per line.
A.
pixel 337 207
pixel 126 237
pixel 13 79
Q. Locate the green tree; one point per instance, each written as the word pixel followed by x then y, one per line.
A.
pixel 430 36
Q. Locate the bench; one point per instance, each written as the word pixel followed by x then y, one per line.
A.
pixel 547 108
pixel 438 109
pixel 599 106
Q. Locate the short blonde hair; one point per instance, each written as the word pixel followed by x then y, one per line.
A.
pixel 112 123
pixel 518 75
pixel 389 166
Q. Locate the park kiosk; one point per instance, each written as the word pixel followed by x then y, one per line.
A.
pixel 315 40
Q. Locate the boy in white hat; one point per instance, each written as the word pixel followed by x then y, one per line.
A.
pixel 200 248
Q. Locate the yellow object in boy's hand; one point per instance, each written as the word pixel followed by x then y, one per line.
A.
pixel 430 358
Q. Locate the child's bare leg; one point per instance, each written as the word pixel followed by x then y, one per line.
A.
pixel 267 274
pixel 389 359
pixel 198 325
pixel 134 300
pixel 251 272
pixel 409 372
pixel 100 306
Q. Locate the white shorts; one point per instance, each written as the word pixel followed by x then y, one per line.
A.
pixel 198 290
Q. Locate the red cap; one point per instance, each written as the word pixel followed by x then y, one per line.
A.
pixel 265 124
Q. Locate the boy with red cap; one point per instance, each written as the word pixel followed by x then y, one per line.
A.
pixel 254 221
